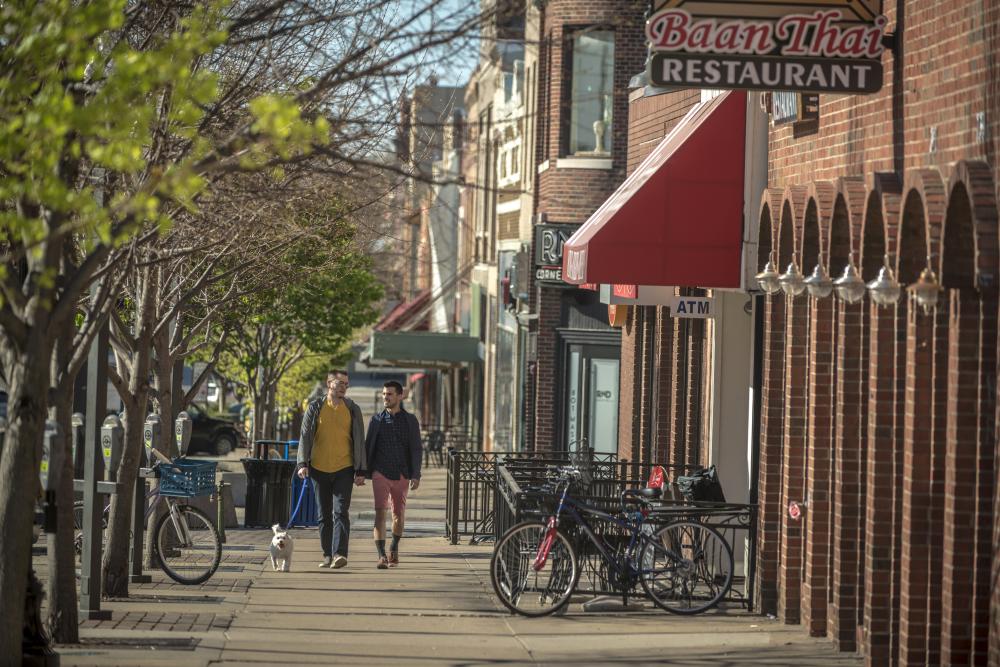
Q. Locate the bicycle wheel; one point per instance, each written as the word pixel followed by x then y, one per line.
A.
pixel 687 567
pixel 192 555
pixel 519 586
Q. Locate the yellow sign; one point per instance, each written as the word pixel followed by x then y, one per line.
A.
pixel 851 11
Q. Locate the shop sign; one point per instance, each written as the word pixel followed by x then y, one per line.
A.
pixel 692 307
pixel 549 241
pixel 788 107
pixel 625 291
pixel 834 49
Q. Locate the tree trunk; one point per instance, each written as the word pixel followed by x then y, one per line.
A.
pixel 114 569
pixel 28 385
pixel 164 381
pixel 62 617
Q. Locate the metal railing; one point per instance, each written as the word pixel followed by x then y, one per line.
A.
pixel 517 501
pixel 471 487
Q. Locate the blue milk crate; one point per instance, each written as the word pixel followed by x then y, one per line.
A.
pixel 187 479
pixel 308 515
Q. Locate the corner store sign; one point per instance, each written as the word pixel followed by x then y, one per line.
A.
pixel 833 46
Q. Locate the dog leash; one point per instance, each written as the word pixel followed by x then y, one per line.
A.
pixel 298 504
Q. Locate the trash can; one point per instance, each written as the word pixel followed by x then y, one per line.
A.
pixel 308 511
pixel 269 488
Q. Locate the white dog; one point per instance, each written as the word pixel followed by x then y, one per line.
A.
pixel 282 546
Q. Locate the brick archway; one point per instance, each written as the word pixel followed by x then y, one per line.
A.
pixel 925 384
pixel 794 430
pixel 849 428
pixel 880 467
pixel 821 383
pixel 771 414
pixel 968 271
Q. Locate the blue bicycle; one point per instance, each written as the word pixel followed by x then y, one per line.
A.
pixel 685 567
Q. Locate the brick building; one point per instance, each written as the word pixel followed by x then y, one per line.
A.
pixel 871 410
pixel 580 55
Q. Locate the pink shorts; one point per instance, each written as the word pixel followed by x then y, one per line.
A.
pixel 390 493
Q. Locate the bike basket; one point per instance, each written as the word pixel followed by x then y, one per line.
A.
pixel 187 479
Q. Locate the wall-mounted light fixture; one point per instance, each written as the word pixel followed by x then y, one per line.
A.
pixel 850 287
pixel 792 282
pixel 885 290
pixel 768 278
pixel 926 289
pixel 819 283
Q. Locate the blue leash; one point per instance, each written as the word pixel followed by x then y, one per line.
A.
pixel 298 504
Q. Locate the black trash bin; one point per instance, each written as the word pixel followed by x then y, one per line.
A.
pixel 269 491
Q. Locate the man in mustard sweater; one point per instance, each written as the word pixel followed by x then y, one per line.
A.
pixel 332 454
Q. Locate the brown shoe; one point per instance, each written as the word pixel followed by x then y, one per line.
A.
pixel 393 558
pixel 383 563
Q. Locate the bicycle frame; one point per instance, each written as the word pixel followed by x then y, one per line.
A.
pixel 577 511
pixel 154 495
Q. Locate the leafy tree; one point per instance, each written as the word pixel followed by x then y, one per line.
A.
pixel 316 315
pixel 119 118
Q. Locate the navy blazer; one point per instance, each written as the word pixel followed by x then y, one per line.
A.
pixel 416 448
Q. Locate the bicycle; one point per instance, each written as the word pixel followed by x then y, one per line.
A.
pixel 186 543
pixel 685 567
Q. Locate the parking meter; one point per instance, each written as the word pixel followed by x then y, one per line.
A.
pixel 182 430
pixel 112 437
pixel 77 440
pixel 151 436
pixel 53 454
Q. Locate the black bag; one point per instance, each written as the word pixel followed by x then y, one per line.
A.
pixel 702 485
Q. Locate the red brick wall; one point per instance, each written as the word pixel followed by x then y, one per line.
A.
pixel 549 308
pixel 950 74
pixel 571 195
pixel 819 450
pixel 922 458
pixel 848 478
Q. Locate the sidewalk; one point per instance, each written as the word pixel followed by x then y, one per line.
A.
pixel 436 608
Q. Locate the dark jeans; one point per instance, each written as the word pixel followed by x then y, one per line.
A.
pixel 333 494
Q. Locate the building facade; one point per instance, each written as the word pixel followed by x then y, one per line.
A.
pixel 869 413
pixel 582 56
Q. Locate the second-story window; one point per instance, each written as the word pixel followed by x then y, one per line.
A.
pixel 591 92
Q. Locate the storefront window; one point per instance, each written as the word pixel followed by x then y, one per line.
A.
pixel 592 397
pixel 591 95
pixel 603 410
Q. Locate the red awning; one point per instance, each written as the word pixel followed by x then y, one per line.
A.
pixel 678 218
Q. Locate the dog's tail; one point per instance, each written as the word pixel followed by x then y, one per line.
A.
pixel 276 527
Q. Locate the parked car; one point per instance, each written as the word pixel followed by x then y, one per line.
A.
pixel 212 435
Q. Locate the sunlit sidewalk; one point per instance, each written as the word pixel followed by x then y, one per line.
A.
pixel 435 608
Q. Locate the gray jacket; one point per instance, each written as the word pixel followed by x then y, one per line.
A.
pixel 311 419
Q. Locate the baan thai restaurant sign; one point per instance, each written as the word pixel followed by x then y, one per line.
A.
pixel 823 47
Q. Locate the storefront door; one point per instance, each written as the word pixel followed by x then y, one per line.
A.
pixel 592 397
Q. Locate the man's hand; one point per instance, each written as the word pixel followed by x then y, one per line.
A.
pixel 414 483
pixel 359 480
pixel 303 472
